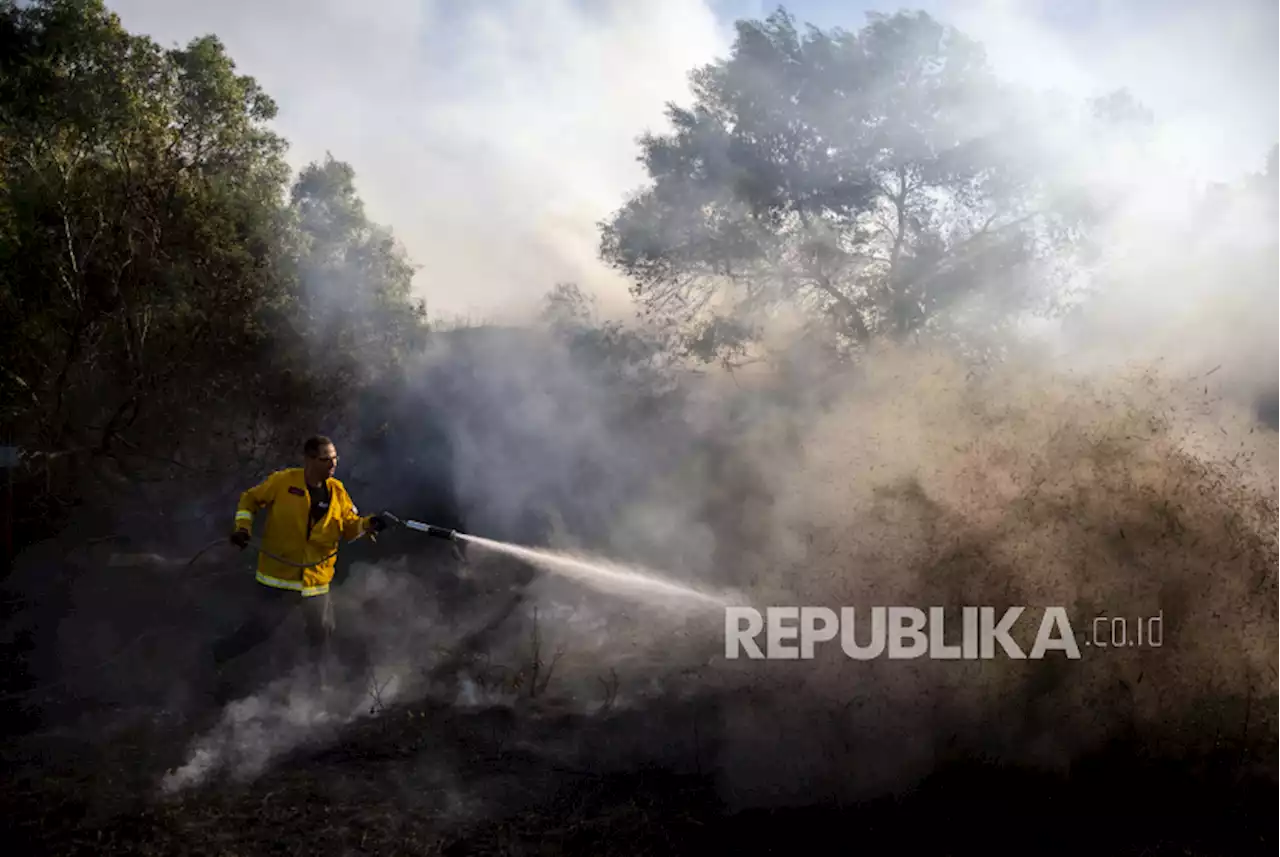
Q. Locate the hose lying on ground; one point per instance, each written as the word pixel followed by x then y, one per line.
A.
pixel 256 545
pixel 153 559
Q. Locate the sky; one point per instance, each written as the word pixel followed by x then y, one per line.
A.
pixel 494 136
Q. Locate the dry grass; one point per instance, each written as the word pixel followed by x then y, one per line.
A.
pixel 924 487
pixel 928 486
pixel 427 780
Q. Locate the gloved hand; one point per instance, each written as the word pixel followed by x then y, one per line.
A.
pixel 377 524
pixel 240 538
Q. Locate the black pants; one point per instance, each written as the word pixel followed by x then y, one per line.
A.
pixel 266 608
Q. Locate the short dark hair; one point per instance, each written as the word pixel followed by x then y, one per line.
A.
pixel 316 443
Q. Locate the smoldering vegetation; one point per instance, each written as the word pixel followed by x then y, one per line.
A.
pixel 1026 490
pixel 881 440
pixel 925 483
pixel 477 692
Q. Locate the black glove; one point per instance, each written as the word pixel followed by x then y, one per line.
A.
pixel 240 538
pixel 377 524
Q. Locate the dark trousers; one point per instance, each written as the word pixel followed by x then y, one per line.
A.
pixel 265 609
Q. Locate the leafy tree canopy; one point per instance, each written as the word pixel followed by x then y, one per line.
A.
pixel 871 180
pixel 157 277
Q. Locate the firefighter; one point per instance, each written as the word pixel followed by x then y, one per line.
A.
pixel 307 514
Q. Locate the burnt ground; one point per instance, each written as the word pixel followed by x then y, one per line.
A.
pixel 429 778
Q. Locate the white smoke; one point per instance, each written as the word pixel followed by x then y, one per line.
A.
pixel 491 137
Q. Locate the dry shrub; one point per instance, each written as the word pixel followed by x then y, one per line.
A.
pixel 928 485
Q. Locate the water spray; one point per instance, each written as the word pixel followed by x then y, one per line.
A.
pixel 605 575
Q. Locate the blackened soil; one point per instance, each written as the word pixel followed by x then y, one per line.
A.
pixel 430 779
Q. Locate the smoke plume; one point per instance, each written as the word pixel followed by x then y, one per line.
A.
pixel 1111 463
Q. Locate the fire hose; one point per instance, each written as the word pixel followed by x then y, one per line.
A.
pixel 430 529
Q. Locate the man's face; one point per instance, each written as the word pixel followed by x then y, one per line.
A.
pixel 322 464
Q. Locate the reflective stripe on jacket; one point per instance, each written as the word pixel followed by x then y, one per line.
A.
pixel 287 502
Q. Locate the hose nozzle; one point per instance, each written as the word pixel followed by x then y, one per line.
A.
pixel 432 530
pixel 439 532
pixel 445 533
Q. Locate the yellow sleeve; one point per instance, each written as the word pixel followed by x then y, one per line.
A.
pixel 255 498
pixel 352 524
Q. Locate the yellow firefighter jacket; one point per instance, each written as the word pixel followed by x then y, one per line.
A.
pixel 289 534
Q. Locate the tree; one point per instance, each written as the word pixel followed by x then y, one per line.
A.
pixel 156 281
pixel 636 359
pixel 140 212
pixel 356 304
pixel 870 180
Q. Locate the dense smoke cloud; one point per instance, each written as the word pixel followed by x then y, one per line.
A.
pixel 1185 275
pixel 1113 472
pixel 1208 73
pixel 490 137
